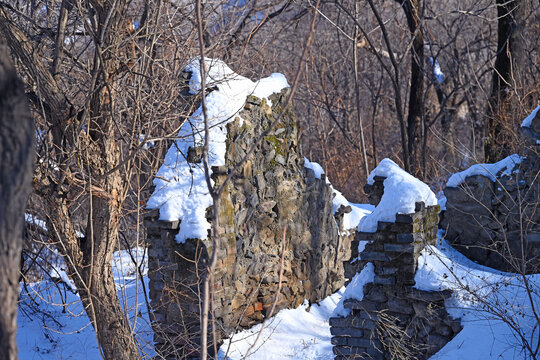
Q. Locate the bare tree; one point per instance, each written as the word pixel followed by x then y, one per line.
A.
pixel 82 161
pixel 17 153
pixel 507 76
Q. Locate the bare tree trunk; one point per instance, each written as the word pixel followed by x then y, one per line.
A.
pixel 506 75
pixel 412 9
pixel 395 77
pixel 16 152
pixel 112 327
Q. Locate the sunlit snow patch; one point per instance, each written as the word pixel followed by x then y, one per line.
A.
pixel 302 334
pixel 528 120
pixel 504 167
pixel 401 192
pixel 489 303
pixel 355 289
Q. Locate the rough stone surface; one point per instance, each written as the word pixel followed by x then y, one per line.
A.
pixel 270 192
pixel 394 320
pixel 496 223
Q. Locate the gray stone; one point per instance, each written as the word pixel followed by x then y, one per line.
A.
pixel 364 343
pixel 386 270
pixel 373 256
pixel 347 351
pixel 162 224
pixel 338 340
pixel 400 306
pixel 399 248
pixel 339 322
pixel 365 236
pixel 346 331
pixel 382 225
pixel 195 154
pixel 376 294
pixel 280 159
pixel 405 238
pixel 384 280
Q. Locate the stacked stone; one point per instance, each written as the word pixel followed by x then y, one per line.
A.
pixel 166 282
pixel 271 191
pixel 394 319
pixel 497 223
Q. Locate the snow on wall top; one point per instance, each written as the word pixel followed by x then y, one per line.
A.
pixel 401 192
pixel 180 191
pixel 528 120
pixel 490 171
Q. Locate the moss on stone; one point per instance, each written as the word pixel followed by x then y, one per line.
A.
pixel 276 144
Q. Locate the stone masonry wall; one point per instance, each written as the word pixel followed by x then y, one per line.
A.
pixel 271 192
pixel 394 320
pixel 497 224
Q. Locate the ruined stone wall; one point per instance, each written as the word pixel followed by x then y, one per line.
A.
pixel 497 223
pixel 271 192
pixel 394 320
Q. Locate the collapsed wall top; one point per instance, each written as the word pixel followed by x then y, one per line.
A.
pixel 181 192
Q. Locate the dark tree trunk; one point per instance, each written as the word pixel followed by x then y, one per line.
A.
pixel 412 10
pixel 16 154
pixel 506 76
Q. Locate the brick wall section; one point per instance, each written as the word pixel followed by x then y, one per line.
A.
pixel 394 320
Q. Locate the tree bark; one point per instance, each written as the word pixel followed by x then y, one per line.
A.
pixel 506 76
pixel 415 115
pixel 89 259
pixel 17 153
pixel 112 327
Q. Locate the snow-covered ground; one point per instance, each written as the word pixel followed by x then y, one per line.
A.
pixel 48 330
pixel 52 323
pixel 301 333
pixel 495 307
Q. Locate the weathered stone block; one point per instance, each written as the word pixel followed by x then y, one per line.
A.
pixel 357 342
pixel 373 256
pixel 386 270
pixel 376 294
pixel 407 218
pixel 365 236
pixel 347 331
pixel 339 340
pixel 384 280
pixel 400 306
pixel 347 351
pixel 382 225
pixel 406 238
pixel 407 248
pixel 161 224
